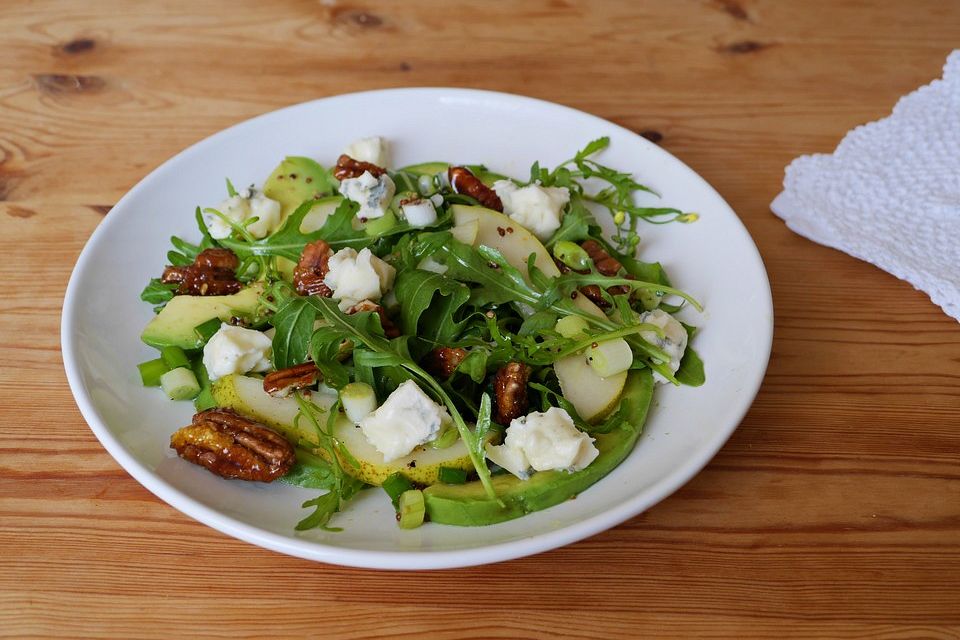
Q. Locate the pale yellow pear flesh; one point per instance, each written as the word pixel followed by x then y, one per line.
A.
pixel 503 234
pixel 467 232
pixel 592 395
pixel 246 396
pixel 318 214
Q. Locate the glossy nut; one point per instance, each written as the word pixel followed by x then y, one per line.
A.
pixel 231 446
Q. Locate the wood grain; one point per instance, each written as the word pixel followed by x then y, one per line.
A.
pixel 834 511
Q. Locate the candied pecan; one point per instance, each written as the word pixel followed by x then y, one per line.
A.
pixel 510 390
pixel 606 265
pixel 603 261
pixel 347 167
pixel 213 273
pixel 217 259
pixel 620 289
pixel 280 383
pixel 389 329
pixel 443 361
pixel 203 281
pixel 312 268
pixel 463 181
pixel 232 446
pixel 173 275
pixel 592 292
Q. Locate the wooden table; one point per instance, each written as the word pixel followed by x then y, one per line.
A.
pixel 833 511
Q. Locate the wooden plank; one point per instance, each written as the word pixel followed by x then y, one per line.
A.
pixel 832 512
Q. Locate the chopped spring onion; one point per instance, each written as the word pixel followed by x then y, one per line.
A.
pixel 395 485
pixel 174 357
pixel 180 384
pixel 206 329
pixel 411 509
pixel 204 399
pixel 151 370
pixel 450 475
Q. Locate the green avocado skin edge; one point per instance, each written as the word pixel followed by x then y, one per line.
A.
pixel 468 505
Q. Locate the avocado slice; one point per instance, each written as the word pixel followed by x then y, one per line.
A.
pixel 295 180
pixel 468 504
pixel 429 169
pixel 173 326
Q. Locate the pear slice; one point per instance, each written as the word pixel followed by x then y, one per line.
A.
pixel 507 236
pixel 467 232
pixel 318 214
pixel 610 357
pixel 592 395
pixel 246 396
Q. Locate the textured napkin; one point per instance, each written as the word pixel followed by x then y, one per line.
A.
pixel 890 193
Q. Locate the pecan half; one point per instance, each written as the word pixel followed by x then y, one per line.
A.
pixel 606 265
pixel 312 268
pixel 217 259
pixel 443 361
pixel 592 291
pixel 603 261
pixel 463 181
pixel 389 329
pixel 510 391
pixel 347 167
pixel 213 273
pixel 280 383
pixel 232 446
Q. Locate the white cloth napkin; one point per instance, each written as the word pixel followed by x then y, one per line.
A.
pixel 890 193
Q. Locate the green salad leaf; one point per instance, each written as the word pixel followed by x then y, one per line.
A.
pixel 293 322
pixel 357 329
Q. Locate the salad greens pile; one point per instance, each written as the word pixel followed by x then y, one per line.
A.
pixel 496 311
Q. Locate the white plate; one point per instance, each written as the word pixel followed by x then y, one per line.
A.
pixel 713 259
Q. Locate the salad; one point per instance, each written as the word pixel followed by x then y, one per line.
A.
pixel 469 342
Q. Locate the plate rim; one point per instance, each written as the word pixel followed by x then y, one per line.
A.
pixel 400 559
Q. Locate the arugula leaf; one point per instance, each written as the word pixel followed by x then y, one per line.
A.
pixel 594 146
pixel 184 253
pixel 418 290
pixel 617 196
pixel 157 292
pixel 500 281
pixel 538 323
pixel 483 426
pixel 356 328
pixel 342 487
pixel 634 404
pixel 571 281
pixel 326 344
pixel 475 365
pixel 310 472
pixel 576 224
pixel 325 505
pixel 562 402
pixel 691 372
pixel 294 329
pixel 288 241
